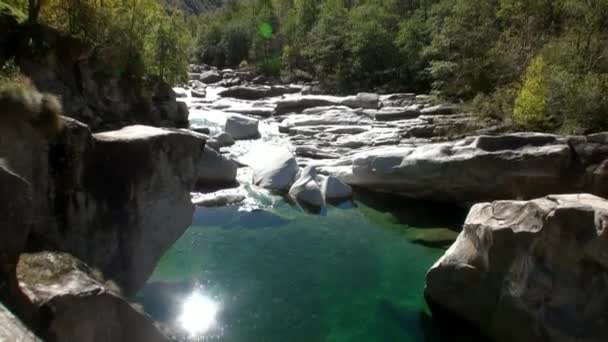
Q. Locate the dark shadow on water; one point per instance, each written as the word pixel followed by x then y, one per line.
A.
pixel 231 217
pixel 416 213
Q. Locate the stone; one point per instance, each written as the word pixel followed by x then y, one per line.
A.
pixel 221 140
pixel 306 190
pixel 363 100
pixel 12 329
pixel 441 109
pixel 315 153
pixel 473 169
pixel 392 113
pixel 277 173
pixel 334 190
pixel 214 170
pixel 241 127
pixel 299 104
pixel 210 77
pixel 116 200
pixel 198 93
pixel 528 270
pixel 220 198
pixel 79 304
pixel 246 92
pixel 181 93
pixel 202 130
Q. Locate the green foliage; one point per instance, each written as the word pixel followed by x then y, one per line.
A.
pixel 138 37
pixel 531 104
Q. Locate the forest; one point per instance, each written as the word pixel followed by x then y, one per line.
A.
pixel 534 64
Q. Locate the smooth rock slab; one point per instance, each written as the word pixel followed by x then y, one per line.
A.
pixel 12 329
pixel 334 190
pixel 528 270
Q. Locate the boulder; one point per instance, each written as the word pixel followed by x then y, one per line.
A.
pixel 210 77
pixel 79 304
pixel 315 153
pixel 12 329
pixel 241 127
pixel 116 200
pixel 363 100
pixel 306 190
pixel 334 190
pixel 277 173
pixel 220 140
pixel 215 170
pixel 528 270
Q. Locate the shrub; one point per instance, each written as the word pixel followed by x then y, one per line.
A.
pixel 531 103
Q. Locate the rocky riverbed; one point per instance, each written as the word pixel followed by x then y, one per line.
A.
pixel 406 144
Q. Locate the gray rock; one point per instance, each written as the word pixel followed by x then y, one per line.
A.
pixel 214 170
pixel 363 100
pixel 220 140
pixel 198 93
pixel 220 198
pixel 180 92
pixel 116 200
pixel 300 104
pixel 528 271
pixel 441 109
pixel 278 173
pixel 69 291
pixel 334 190
pixel 306 190
pixel 315 153
pixel 241 127
pixel 12 329
pixel 202 130
pixel 246 92
pixel 482 168
pixel 210 77
pixel 392 113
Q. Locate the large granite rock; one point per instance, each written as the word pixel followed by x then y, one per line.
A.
pixel 78 304
pixel 215 170
pixel 116 200
pixel 480 168
pixel 528 271
pixel 12 329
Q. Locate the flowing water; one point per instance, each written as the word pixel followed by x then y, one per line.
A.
pixel 268 271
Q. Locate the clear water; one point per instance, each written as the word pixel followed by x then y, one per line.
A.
pixel 355 273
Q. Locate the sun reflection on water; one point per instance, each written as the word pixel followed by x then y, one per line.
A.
pixel 198 314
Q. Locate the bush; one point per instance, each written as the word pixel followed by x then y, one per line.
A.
pixel 531 104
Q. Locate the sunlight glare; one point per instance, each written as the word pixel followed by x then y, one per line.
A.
pixel 198 314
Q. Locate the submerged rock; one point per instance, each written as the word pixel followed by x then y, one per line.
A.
pixel 241 127
pixel 278 173
pixel 528 271
pixel 80 305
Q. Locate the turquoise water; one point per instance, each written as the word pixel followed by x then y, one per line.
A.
pixel 355 273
